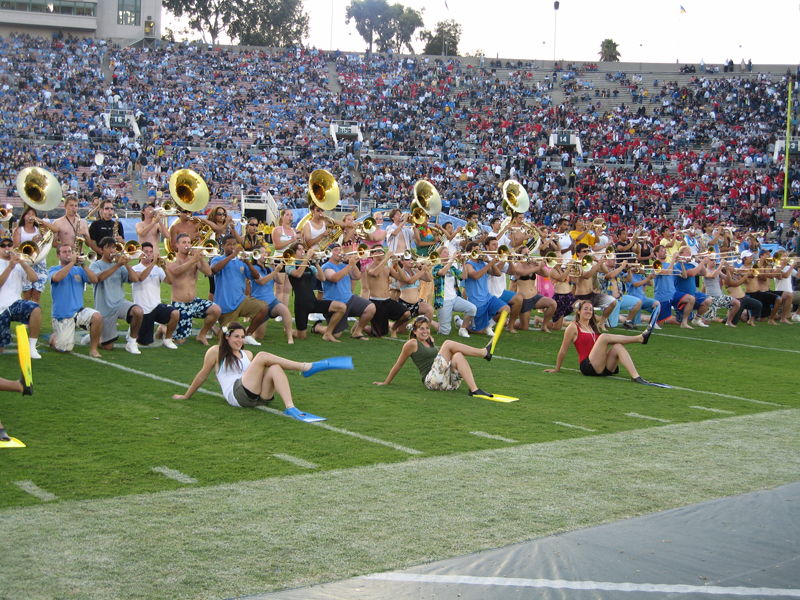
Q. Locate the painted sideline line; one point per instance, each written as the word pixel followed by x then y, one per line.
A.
pixel 680 337
pixel 173 474
pixel 296 461
pixel 264 408
pixel 715 410
pixel 34 490
pixel 573 426
pixel 638 416
pixel 499 438
pixel 674 387
pixel 661 588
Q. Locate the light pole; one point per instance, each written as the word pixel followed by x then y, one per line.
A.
pixel 555 29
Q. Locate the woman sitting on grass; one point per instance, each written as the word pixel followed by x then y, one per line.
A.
pixel 248 382
pixel 600 354
pixel 440 369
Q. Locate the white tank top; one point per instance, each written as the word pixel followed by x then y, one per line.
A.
pixel 24 236
pixel 315 233
pixel 227 377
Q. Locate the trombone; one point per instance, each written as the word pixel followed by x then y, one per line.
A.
pixel 209 248
pixel 362 250
pixel 167 209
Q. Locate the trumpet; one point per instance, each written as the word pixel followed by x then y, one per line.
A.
pixel 167 209
pixel 169 258
pixel 366 227
pixel 255 255
pixel 209 248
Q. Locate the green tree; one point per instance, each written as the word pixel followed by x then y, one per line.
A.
pixel 254 22
pixel 443 40
pixel 270 23
pixel 370 17
pixel 210 17
pixel 608 51
pixel 398 29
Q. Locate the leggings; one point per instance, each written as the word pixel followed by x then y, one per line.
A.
pixel 747 303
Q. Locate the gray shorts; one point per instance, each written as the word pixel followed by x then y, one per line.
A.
pixel 242 396
pixel 530 303
pixel 109 333
pixel 355 308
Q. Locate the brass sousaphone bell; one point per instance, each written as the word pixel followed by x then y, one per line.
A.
pixel 515 198
pixel 426 197
pixel 39 188
pixel 323 190
pixel 188 190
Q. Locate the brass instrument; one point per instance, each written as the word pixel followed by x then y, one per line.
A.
pixel 599 223
pixel 89 257
pixel 366 227
pixel 323 190
pixel 116 226
pixel 188 190
pixel 39 188
pixel 167 209
pixel 132 249
pixel 333 234
pixel 169 258
pixel 471 230
pixel 253 254
pixel 362 250
pixel 427 198
pixel 515 198
pixel 209 248
pixel 6 212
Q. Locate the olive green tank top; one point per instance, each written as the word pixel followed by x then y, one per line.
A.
pixel 423 358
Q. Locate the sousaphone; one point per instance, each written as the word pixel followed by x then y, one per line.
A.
pixel 188 190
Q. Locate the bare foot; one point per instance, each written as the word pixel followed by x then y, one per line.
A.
pixel 394 334
pixel 291 341
pixel 686 326
pixel 202 340
pixel 546 330
pixel 94 353
pixel 787 321
pixel 512 330
pixel 771 322
pixel 729 325
pixel 360 336
pixel 329 338
pixel 751 323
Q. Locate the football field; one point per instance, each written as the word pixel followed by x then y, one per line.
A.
pixel 123 492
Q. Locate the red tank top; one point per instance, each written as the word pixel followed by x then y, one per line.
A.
pixel 584 344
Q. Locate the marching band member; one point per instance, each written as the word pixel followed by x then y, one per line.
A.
pixel 373 241
pixel 67 281
pixel 636 285
pixel 446 277
pixel 302 274
pixel 398 238
pixel 232 274
pixel 70 226
pixel 13 274
pixel 113 271
pixel 261 288
pixel 440 369
pixel 599 354
pixel 783 283
pixel 526 272
pixel 711 283
pixel 564 239
pixel 283 236
pixel 562 294
pixel 497 287
pixel 487 305
pixel 410 296
pixel 337 287
pixel 105 226
pixel 152 228
pixel 147 294
pixel 185 225
pixel 29 231
pixel 685 282
pixel 732 279
pixel 386 309
pixel 668 296
pixel 184 273
pixel 584 288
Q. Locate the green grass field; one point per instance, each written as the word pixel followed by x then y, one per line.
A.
pixel 95 432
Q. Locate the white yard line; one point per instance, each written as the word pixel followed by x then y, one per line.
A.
pixel 638 416
pixel 680 337
pixel 560 584
pixel 34 490
pixel 538 364
pixel 573 426
pixel 296 461
pixel 714 410
pixel 173 474
pixel 360 436
pixel 499 438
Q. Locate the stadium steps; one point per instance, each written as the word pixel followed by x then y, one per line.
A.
pixel 333 78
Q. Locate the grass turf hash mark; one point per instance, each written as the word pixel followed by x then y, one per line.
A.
pixel 173 474
pixel 34 490
pixel 493 437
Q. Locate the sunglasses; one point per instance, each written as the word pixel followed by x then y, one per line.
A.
pixel 422 319
pixel 6 245
pixel 252 224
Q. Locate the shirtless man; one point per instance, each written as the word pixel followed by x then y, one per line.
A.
pixel 526 273
pixel 410 278
pixel 585 291
pixel 398 238
pixel 733 280
pixel 71 225
pixel 386 309
pixel 374 240
pixel 150 228
pixel 186 225
pixel 184 272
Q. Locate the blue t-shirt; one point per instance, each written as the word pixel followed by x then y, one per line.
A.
pixel 266 291
pixel 636 292
pixel 478 289
pixel 67 293
pixel 339 291
pixel 686 286
pixel 230 284
pixel 664 285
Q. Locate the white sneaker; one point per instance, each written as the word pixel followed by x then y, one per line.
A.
pixel 250 341
pixel 86 340
pixel 489 331
pixel 279 319
pixel 132 347
pixel 168 343
pixel 656 326
pixel 796 318
pixel 458 321
pixel 463 332
pixel 35 353
pixel 316 317
pixel 698 323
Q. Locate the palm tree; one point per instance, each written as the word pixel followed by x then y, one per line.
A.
pixel 608 51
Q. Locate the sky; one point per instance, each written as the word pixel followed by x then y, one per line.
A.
pixel 645 30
